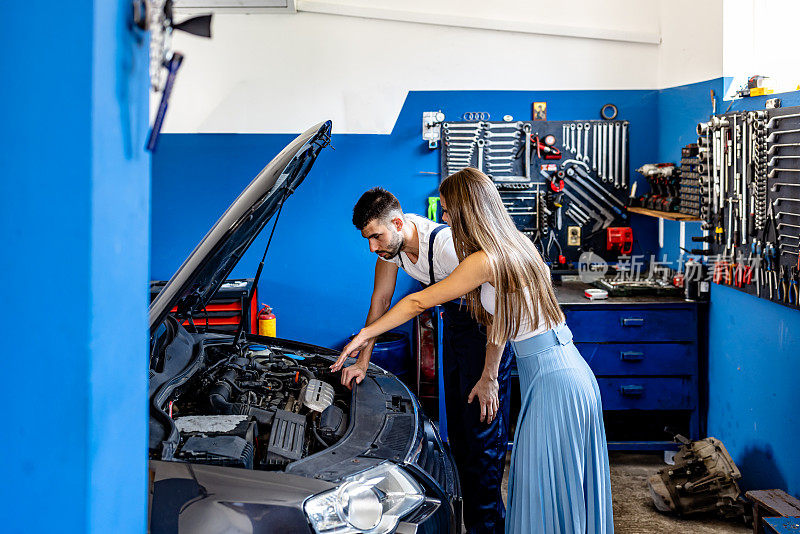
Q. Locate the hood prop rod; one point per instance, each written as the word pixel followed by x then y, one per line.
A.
pixel 287 190
pixel 286 193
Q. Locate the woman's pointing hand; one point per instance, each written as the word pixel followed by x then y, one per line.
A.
pixel 350 350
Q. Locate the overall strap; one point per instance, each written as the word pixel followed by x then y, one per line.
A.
pixel 431 241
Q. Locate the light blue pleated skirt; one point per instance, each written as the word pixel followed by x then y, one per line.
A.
pixel 559 480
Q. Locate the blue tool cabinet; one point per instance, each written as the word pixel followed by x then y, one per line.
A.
pixel 645 354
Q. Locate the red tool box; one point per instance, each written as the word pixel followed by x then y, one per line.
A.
pixel 224 312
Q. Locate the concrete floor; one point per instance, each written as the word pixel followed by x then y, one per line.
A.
pixel 634 512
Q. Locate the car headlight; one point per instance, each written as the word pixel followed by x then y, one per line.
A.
pixel 372 501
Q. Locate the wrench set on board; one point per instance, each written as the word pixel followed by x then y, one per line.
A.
pixel 562 182
pixel 749 169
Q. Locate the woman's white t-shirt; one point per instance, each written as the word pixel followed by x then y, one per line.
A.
pixel 526 329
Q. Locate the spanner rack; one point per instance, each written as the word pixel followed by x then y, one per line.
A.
pixel 609 147
pixel 549 171
pixel 750 201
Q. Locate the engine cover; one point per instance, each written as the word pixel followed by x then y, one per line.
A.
pixel 287 438
pixel 218 439
pixel 317 395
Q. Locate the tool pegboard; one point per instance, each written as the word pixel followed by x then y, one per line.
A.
pixel 563 182
pixel 750 201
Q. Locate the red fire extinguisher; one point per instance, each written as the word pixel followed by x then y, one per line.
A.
pixel 267 322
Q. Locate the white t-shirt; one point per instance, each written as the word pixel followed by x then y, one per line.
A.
pixel 526 329
pixel 444 253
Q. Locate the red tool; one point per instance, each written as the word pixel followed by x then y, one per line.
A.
pixel 739 274
pixel 748 275
pixel 733 274
pixel 550 152
pixel 721 272
pixel 620 239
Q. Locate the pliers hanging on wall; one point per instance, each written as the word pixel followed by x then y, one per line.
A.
pixel 734 274
pixel 782 286
pixel 721 272
pixel 769 257
pixel 550 152
pixel 747 276
pixel 793 289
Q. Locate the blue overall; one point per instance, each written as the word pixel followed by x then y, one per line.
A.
pixel 479 449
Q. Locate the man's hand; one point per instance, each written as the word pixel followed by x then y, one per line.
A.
pixel 350 350
pixel 356 372
pixel 487 391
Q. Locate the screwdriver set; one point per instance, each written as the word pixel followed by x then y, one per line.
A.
pixel 749 170
pixel 563 182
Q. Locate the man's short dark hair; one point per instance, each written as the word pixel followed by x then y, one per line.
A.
pixel 377 203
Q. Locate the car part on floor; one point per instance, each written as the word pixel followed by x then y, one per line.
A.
pixel 703 480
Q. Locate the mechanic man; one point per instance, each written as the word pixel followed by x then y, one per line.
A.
pixel 424 250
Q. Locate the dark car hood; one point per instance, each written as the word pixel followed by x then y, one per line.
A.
pixel 207 267
pixel 205 499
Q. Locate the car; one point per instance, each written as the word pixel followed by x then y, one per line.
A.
pixel 256 434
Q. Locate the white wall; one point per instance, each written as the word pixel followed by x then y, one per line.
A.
pixel 760 39
pixel 279 73
pixel 691 42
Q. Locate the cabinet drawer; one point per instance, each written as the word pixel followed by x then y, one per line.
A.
pixel 640 358
pixel 647 393
pixel 632 325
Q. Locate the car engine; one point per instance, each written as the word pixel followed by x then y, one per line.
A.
pixel 258 408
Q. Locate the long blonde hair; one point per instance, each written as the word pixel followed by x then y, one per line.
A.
pixel 480 222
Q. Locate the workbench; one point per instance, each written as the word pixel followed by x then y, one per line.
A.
pixel 645 353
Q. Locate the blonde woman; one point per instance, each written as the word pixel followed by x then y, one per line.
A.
pixel 559 480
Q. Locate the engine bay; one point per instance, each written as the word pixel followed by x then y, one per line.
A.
pixel 258 407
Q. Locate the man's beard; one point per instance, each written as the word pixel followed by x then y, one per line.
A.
pixel 394 248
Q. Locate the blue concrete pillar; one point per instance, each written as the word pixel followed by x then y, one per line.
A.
pixel 74 262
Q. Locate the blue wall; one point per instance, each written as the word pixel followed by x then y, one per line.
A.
pixel 74 263
pixel 754 365
pixel 318 274
pixel 753 345
pixel 120 240
pixel 679 110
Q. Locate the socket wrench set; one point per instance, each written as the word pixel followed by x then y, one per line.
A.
pixel 750 201
pixel 690 186
pixel 563 182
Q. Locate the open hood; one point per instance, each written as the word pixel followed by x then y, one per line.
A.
pixel 207 267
